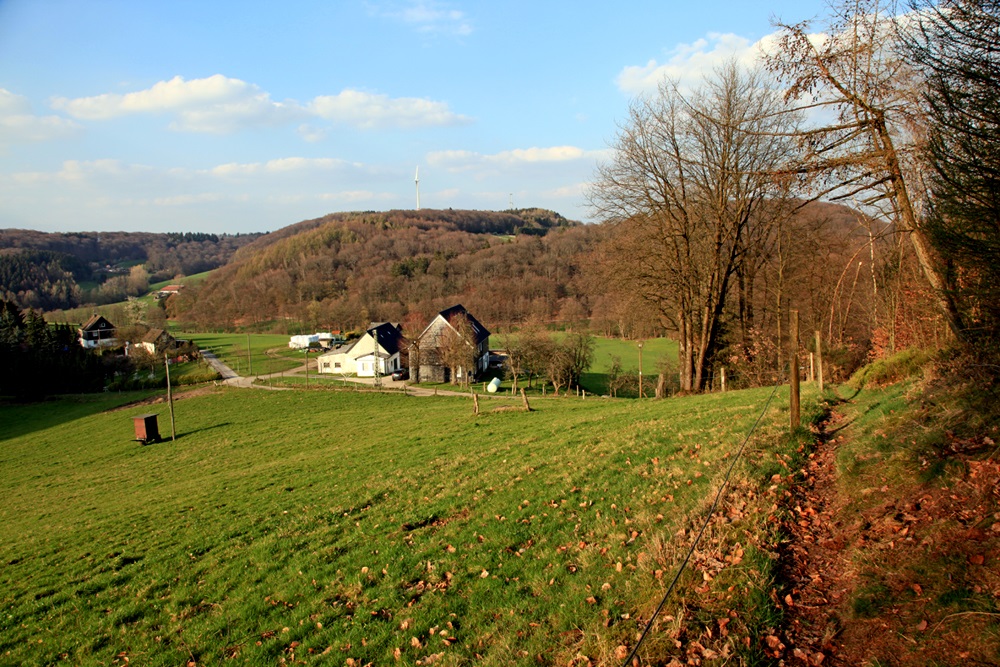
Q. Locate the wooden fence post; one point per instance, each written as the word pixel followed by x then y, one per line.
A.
pixel 819 360
pixel 793 370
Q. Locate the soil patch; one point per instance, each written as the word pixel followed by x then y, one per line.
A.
pixel 904 574
pixel 178 396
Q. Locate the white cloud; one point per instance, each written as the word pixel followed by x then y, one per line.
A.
pixel 280 165
pixel 189 199
pixel 311 133
pixel 367 111
pixel 427 16
pixel 19 124
pixel 574 191
pixel 80 171
pixel 218 104
pixel 356 196
pixel 689 64
pixel 172 95
pixel 214 104
pixel 465 160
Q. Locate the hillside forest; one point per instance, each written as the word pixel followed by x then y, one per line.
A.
pixel 850 180
pixel 47 271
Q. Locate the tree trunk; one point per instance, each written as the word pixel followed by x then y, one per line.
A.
pixel 921 244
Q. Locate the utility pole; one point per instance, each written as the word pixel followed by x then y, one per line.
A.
pixel 170 398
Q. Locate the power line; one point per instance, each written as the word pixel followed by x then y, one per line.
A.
pixel 708 517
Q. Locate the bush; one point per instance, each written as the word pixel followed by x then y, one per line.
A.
pixel 890 370
pixel 197 377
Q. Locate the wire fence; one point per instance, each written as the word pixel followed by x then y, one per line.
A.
pixel 701 531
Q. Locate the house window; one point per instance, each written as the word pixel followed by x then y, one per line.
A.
pixel 336 364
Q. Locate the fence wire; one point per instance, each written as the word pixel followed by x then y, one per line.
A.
pixel 701 531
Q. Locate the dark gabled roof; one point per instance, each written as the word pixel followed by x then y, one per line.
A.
pixel 372 325
pixel 479 331
pixel 155 335
pixel 387 335
pixel 94 323
pixel 343 348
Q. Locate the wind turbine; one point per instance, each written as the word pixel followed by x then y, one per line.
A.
pixel 416 181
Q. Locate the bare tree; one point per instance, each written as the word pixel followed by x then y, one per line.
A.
pixel 458 349
pixel 690 189
pixel 515 358
pixel 854 68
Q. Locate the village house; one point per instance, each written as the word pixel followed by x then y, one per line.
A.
pixel 167 291
pixel 97 332
pixel 433 356
pixel 377 351
pixel 157 341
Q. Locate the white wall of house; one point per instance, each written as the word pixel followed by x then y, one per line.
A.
pixel 336 363
pixel 94 344
pixel 359 360
pixel 386 364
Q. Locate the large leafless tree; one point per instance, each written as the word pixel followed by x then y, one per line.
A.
pixel 690 189
pixel 852 67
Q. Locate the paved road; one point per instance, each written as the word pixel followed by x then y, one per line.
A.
pixel 233 379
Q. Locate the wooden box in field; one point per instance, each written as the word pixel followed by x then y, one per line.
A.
pixel 146 429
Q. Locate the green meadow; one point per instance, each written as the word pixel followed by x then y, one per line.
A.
pixel 269 353
pixel 358 528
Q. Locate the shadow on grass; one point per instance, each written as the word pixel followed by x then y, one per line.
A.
pixel 18 419
pixel 166 440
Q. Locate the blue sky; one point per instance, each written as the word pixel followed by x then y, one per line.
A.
pixel 248 116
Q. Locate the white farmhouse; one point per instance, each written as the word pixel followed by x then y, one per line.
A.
pixel 377 350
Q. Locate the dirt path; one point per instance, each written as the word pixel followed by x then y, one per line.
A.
pixel 815 569
pixel 902 571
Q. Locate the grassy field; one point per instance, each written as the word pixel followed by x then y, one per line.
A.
pixel 655 352
pixel 193 279
pixel 337 527
pixel 231 349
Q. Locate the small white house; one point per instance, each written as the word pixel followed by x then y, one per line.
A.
pixel 376 351
pixel 156 341
pixel 97 332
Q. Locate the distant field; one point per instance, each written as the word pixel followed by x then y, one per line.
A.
pixel 327 526
pixel 655 351
pixel 231 349
pixel 193 279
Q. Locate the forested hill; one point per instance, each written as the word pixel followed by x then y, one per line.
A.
pixel 62 270
pixel 346 269
pixel 532 221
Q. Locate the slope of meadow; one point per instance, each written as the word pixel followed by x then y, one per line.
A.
pixel 288 526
